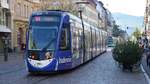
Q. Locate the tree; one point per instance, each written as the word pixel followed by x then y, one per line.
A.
pixel 116 31
pixel 137 33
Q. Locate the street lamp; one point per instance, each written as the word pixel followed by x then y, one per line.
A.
pixel 81 8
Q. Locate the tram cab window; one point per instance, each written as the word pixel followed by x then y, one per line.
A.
pixel 64 43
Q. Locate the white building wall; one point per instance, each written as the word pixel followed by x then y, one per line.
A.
pixel 4 4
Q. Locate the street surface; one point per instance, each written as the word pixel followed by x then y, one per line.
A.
pixel 102 70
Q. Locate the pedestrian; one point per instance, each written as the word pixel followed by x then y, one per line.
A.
pixel 140 42
pixel 145 42
pixel 148 56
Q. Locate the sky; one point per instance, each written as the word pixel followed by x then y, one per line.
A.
pixel 130 7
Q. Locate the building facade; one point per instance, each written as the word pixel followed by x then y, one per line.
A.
pixel 98 15
pixel 106 20
pixel 88 9
pixel 101 14
pixel 147 19
pixel 109 22
pixel 90 13
pixel 5 31
pixel 20 12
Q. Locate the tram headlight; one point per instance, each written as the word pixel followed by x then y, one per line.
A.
pixel 48 55
pixel 33 56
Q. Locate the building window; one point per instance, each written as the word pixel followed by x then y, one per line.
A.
pixel 1 17
pixel 24 10
pixel 4 17
pixel 18 9
pixel 149 10
pixel 21 11
pixel 27 11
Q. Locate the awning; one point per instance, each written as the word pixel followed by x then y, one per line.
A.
pixel 4 29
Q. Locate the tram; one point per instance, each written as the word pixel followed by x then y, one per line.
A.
pixel 55 41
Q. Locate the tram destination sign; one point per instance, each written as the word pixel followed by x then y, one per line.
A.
pixel 45 19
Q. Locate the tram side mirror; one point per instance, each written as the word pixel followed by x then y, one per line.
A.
pixel 66 21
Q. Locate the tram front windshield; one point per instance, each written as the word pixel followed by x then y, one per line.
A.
pixel 43 32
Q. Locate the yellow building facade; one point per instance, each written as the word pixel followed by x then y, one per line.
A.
pixel 20 13
pixel 89 11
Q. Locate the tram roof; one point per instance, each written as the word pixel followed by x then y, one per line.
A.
pixel 48 12
pixel 62 12
pixel 79 20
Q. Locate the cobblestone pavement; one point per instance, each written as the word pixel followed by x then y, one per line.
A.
pixel 15 62
pixel 102 70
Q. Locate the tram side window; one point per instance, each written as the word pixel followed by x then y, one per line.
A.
pixel 64 39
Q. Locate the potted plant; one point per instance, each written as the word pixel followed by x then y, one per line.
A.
pixel 127 54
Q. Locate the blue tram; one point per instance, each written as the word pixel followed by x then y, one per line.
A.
pixel 55 41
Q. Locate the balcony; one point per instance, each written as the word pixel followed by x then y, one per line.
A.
pixel 4 4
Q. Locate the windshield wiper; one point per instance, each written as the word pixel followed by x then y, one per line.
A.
pixel 48 44
pixel 34 44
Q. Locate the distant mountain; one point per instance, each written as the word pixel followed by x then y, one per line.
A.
pixel 128 20
pixel 124 21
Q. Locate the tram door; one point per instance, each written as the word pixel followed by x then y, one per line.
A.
pixel 91 43
pixel 77 45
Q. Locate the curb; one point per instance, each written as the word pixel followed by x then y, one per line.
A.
pixel 145 74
